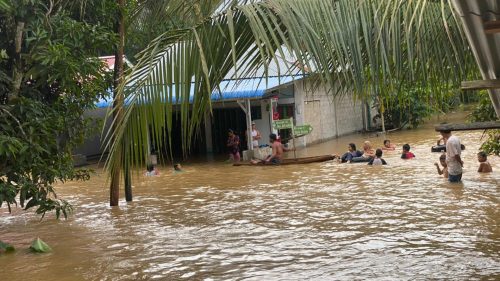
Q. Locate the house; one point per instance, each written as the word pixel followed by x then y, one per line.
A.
pixel 238 102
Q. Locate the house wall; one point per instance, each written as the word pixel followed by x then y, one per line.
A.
pixel 330 117
pixel 92 147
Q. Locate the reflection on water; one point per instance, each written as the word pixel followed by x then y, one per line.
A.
pixel 317 221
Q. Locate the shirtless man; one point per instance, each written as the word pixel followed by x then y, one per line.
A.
pixel 277 155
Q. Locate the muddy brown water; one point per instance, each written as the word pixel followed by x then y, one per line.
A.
pixel 320 221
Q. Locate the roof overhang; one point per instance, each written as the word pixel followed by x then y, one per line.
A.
pixel 481 21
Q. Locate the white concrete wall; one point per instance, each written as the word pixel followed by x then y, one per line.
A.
pixel 330 117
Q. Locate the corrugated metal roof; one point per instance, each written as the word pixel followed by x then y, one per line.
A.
pixel 486 47
pixel 234 89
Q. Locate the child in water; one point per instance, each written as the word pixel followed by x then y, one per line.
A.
pixel 444 171
pixel 177 167
pixel 388 145
pixel 151 170
pixel 406 152
pixel 378 158
pixel 484 165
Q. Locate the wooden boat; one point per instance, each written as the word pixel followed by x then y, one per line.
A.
pixel 292 161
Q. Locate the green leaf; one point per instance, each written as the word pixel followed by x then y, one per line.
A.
pixel 6 247
pixel 39 246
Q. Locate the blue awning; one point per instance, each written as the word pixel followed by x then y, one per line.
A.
pixel 234 89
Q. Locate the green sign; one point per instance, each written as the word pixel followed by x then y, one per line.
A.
pixel 283 124
pixel 302 130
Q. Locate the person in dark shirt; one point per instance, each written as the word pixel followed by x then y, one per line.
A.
pixel 406 152
pixel 233 144
pixel 351 153
pixel 378 158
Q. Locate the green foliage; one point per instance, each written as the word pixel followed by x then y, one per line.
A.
pixel 61 78
pixel 39 246
pixel 6 247
pixel 483 112
pixel 34 154
pixel 408 108
pixel 492 144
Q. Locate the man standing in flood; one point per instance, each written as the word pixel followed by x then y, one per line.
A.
pixel 453 159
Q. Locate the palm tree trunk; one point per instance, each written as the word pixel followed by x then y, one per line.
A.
pixel 114 188
pixel 127 177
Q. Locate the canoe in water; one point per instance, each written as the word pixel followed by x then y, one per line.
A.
pixel 292 161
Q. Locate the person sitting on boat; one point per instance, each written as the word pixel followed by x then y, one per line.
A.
pixel 351 153
pixel 368 153
pixel 484 165
pixel 277 154
pixel 233 144
pixel 444 171
pixel 378 158
pixel 406 152
pixel 388 145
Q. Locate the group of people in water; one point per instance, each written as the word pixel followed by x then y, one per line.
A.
pixel 450 160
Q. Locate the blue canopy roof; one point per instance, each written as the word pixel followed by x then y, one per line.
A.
pixel 233 89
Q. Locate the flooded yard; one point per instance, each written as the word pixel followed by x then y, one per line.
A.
pixel 320 221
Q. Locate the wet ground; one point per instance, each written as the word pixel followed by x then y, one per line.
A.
pixel 321 221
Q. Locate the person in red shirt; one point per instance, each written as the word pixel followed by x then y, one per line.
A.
pixel 406 152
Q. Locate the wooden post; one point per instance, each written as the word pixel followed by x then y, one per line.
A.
pixel 293 139
pixel 249 124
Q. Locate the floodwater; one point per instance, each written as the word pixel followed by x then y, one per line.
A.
pixel 321 221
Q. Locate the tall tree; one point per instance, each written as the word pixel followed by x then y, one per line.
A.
pixel 145 19
pixel 49 75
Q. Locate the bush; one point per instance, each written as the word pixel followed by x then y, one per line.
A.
pixel 484 111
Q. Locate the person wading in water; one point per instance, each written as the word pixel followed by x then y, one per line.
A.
pixel 233 144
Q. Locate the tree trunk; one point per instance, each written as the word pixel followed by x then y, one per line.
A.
pixel 127 176
pixel 114 189
pixel 17 73
pixel 128 183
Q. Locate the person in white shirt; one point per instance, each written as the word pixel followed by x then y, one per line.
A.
pixel 255 136
pixel 453 159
